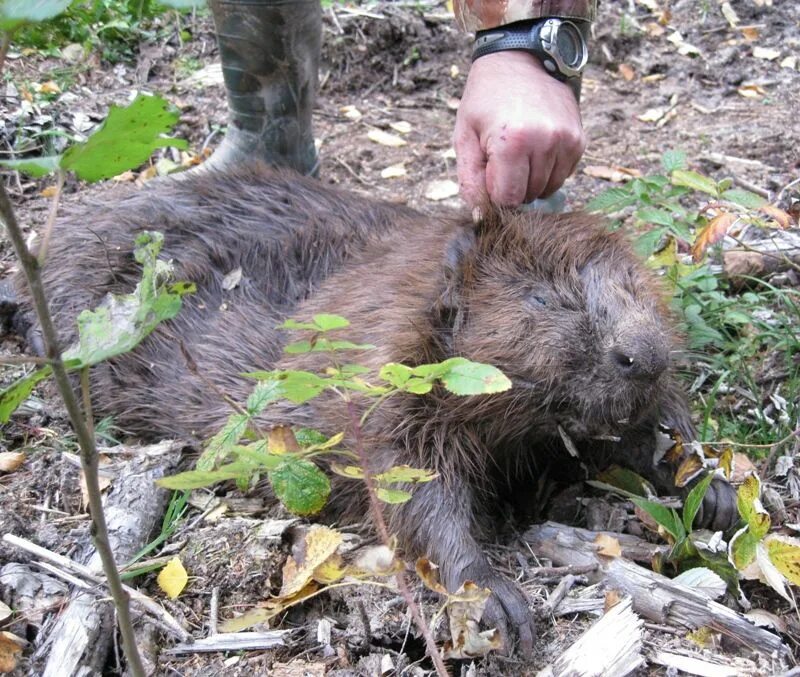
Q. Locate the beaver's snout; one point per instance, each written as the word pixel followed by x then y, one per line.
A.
pixel 642 358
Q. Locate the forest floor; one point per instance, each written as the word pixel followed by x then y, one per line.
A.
pixel 687 77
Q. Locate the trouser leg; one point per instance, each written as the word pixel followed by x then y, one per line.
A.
pixel 270 58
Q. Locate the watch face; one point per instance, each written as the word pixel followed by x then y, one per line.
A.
pixel 569 45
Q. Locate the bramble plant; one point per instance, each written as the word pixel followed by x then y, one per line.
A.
pixel 242 453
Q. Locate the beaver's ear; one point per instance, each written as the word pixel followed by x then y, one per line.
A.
pixel 449 308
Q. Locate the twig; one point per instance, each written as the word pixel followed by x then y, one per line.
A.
pixel 51 217
pixel 137 597
pixel 30 267
pixel 15 360
pixel 753 188
pixel 213 613
pixel 383 531
pixel 789 185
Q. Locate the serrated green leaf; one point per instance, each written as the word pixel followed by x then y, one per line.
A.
pixel 405 473
pixel 15 394
pixel 649 242
pixel 123 321
pixel 784 553
pixel 694 500
pixel 611 200
pixel 126 139
pixel 748 502
pixel 36 167
pixel 695 181
pixel 221 445
pixel 264 394
pixel 655 215
pixel 197 479
pixel 14 13
pixel 300 386
pixel 743 198
pixel 665 517
pixel 463 377
pixel 257 455
pixel 392 496
pixel 300 485
pixel 308 437
pixel 672 160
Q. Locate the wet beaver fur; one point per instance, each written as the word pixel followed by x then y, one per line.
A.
pixel 558 303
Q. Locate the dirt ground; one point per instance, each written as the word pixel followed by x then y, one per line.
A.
pixel 728 96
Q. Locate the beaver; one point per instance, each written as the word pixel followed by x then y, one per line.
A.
pixel 558 302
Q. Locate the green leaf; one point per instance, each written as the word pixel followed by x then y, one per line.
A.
pixel 628 481
pixel 392 496
pixel 352 472
pixel 405 473
pixel 742 548
pixel 182 4
pixel 324 345
pixel 15 394
pixel 659 217
pixel 672 160
pixel 694 500
pixel 257 456
pixel 14 13
pixel 35 167
pixel 743 198
pixel 197 479
pixel 300 386
pixel 611 200
pixel 308 437
pixel 665 517
pixel 264 394
pixel 327 322
pixel 463 377
pixel 221 445
pixel 748 502
pixel 123 321
pixel 126 139
pixel 695 181
pixel 396 374
pixel 649 241
pixel 300 485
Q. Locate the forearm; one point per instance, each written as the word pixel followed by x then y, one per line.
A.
pixel 477 15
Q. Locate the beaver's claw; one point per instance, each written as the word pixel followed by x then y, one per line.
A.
pixel 718 510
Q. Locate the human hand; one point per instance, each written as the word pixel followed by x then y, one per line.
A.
pixel 518 132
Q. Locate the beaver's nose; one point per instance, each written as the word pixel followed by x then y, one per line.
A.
pixel 641 359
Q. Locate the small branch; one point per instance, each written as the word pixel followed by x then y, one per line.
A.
pixel 51 217
pixel 31 268
pixel 753 188
pixel 16 360
pixel 383 531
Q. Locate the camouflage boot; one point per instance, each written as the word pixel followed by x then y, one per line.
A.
pixel 270 57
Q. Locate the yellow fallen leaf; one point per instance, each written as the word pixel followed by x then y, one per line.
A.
pixel 281 440
pixel 385 139
pixel 428 573
pixel 50 87
pixel 11 460
pixel 330 571
pixel 124 177
pixel 712 233
pixel 103 480
pixel 173 578
pixel 320 544
pixel 465 609
pixel 784 553
pixel 49 191
pixel 608 545
pixel 394 171
pixel 782 218
pixel 10 649
pixel 626 72
pixel 684 48
pixel 613 173
pixel 730 15
pixel 654 29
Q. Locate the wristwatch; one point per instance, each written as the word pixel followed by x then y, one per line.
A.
pixel 559 44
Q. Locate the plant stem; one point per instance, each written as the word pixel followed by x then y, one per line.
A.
pixel 383 532
pixel 51 217
pixel 89 464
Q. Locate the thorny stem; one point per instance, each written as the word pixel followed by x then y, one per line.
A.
pixel 89 464
pixel 383 531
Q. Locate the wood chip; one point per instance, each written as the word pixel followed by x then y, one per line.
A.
pixel 441 190
pixel 385 139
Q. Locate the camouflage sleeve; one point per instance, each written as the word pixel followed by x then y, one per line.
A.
pixel 478 15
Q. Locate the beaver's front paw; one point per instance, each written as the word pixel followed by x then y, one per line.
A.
pixel 718 510
pixel 507 609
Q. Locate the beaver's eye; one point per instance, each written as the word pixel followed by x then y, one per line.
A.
pixel 536 300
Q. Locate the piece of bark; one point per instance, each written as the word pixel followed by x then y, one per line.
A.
pixel 232 641
pixel 692 665
pixel 611 647
pixel 81 639
pixel 654 596
pixel 761 258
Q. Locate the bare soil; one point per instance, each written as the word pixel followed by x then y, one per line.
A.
pixel 732 111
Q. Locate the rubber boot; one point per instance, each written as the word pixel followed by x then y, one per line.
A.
pixel 270 57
